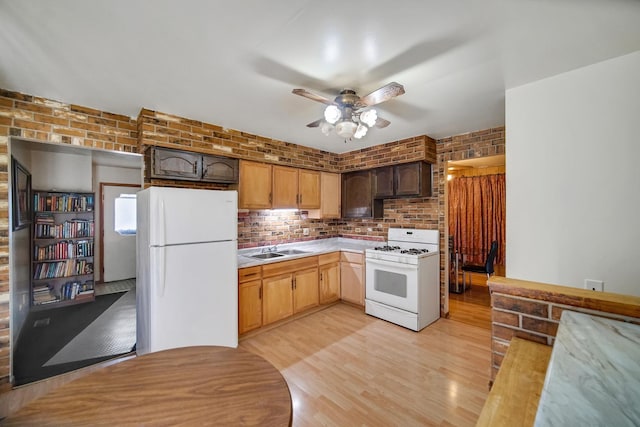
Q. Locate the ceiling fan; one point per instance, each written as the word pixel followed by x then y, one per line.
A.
pixel 350 114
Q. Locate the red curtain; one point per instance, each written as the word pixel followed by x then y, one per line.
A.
pixel 477 216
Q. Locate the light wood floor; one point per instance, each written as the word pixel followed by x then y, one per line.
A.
pixel 345 368
pixel 472 307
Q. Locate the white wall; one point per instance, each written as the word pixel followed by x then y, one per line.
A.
pixel 111 174
pixel 47 167
pixel 573 177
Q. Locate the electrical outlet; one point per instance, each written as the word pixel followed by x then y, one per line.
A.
pixel 594 285
pixel 305 231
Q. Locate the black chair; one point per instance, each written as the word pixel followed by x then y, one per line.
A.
pixel 487 268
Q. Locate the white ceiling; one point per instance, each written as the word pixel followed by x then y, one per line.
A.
pixel 234 63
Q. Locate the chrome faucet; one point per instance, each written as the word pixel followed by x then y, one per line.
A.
pixel 269 249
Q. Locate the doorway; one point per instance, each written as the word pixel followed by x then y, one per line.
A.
pixel 49 341
pixel 117 250
pixel 474 194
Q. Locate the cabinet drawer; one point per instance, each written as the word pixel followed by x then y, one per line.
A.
pixel 249 273
pixel 289 266
pixel 352 257
pixel 328 258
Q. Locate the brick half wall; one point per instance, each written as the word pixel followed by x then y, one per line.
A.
pixel 532 311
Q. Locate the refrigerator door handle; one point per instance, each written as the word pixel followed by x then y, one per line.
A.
pixel 163 271
pixel 161 224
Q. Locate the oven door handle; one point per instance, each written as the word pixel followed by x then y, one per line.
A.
pixel 392 264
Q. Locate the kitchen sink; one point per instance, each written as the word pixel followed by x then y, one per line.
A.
pixel 267 255
pixel 291 252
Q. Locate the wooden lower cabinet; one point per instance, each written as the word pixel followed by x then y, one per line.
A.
pixel 278 298
pixel 329 269
pixel 305 289
pixel 289 287
pixel 352 277
pixel 249 306
pixel 249 299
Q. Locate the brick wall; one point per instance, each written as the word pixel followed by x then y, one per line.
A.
pixel 47 120
pixel 31 117
pixel 167 130
pixel 532 311
pixel 483 143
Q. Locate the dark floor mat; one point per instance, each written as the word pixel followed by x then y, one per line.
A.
pixel 46 332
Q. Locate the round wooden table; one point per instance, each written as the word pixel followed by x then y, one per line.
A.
pixel 193 385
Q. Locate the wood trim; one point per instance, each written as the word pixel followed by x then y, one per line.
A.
pixel 625 305
pixel 516 392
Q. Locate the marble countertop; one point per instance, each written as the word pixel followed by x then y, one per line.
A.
pixel 593 378
pixel 312 247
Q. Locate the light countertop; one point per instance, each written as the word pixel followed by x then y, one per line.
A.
pixel 312 247
pixel 593 378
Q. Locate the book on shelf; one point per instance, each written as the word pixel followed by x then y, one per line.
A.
pixel 64 250
pixel 74 228
pixel 71 290
pixel 63 202
pixel 67 268
pixel 44 294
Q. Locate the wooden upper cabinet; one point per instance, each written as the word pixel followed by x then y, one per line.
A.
pixel 168 163
pixel 309 189
pixel 254 190
pixel 330 202
pixel 404 180
pixel 295 188
pixel 357 196
pixel 383 182
pixel 219 169
pixel 285 187
pixel 413 179
pixel 175 164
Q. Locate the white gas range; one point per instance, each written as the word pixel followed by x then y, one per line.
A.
pixel 402 283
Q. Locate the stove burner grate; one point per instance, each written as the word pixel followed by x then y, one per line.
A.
pixel 414 251
pixel 387 248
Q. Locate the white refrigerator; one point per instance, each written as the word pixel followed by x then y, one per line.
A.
pixel 187 279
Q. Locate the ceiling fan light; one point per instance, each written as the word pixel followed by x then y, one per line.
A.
pixel 369 117
pixel 361 131
pixel 326 128
pixel 346 128
pixel 332 114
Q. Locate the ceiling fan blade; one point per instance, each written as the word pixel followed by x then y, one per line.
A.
pixel 382 94
pixel 315 124
pixel 382 123
pixel 312 96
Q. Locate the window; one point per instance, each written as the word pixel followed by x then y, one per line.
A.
pixel 125 214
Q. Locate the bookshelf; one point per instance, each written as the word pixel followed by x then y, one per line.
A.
pixel 62 249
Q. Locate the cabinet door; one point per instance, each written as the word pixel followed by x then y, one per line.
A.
pixel 357 197
pixel 308 189
pixel 329 283
pixel 175 164
pixel 330 191
pixel 277 298
pixel 383 182
pixel 249 306
pixel 351 283
pixel 305 289
pixel 219 169
pixel 254 189
pixel 285 188
pixel 413 179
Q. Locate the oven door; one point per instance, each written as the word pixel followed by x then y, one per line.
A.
pixel 392 283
